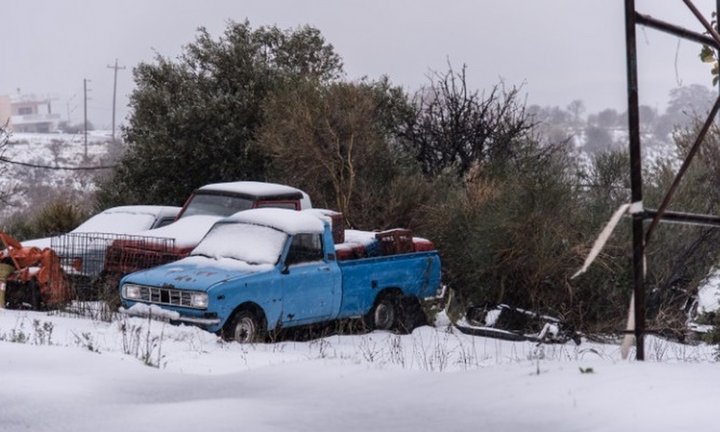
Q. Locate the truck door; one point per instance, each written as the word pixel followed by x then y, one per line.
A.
pixel 310 284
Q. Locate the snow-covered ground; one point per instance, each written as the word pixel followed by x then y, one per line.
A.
pixel 69 373
pixel 62 372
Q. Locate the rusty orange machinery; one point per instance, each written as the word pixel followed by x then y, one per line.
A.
pixel 35 266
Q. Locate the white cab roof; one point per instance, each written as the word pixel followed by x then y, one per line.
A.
pixel 254 188
pixel 251 187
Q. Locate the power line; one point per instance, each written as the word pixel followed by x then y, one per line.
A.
pixel 95 168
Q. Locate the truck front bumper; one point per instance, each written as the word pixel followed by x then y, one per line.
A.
pixel 156 312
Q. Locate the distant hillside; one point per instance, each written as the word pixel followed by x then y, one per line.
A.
pixel 38 170
pixel 37 186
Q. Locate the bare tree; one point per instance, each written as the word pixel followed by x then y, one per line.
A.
pixel 456 129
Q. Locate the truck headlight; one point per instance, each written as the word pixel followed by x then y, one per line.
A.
pixel 199 300
pixel 131 291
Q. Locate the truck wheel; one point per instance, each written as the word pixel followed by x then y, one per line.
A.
pixel 245 327
pixel 410 315
pixel 382 315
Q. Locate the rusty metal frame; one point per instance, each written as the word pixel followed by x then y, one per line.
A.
pixel 639 213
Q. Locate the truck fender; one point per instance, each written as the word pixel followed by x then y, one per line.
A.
pixel 251 307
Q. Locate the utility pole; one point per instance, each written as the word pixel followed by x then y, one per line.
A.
pixel 116 68
pixel 85 90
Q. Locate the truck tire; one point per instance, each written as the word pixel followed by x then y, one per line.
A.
pixel 383 313
pixel 410 315
pixel 245 327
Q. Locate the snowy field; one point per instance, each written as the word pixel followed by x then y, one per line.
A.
pixel 62 150
pixel 61 372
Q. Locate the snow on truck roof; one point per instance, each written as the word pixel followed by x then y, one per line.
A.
pixel 252 188
pixel 289 221
pixel 261 190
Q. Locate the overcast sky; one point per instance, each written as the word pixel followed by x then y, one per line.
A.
pixel 558 50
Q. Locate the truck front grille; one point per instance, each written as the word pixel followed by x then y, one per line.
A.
pixel 166 296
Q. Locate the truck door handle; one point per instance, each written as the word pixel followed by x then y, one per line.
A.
pixel 325 268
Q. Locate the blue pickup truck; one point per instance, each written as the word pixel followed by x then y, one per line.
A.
pixel 266 269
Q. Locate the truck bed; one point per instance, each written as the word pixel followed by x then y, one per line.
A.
pixel 416 274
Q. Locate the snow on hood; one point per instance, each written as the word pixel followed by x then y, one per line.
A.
pixel 117 223
pixel 227 264
pixel 125 219
pixel 187 231
pixel 195 273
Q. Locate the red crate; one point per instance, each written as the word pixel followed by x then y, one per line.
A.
pixel 395 241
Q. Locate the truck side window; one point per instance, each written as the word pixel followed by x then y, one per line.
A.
pixel 305 248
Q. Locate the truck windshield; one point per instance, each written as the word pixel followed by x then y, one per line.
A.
pixel 253 244
pixel 216 205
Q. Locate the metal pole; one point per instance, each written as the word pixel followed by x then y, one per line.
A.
pixel 673 29
pixel 635 179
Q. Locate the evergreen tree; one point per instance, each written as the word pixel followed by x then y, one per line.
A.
pixel 194 120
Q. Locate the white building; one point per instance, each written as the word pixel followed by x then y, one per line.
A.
pixel 28 113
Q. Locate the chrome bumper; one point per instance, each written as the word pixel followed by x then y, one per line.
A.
pixel 169 317
pixel 199 321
